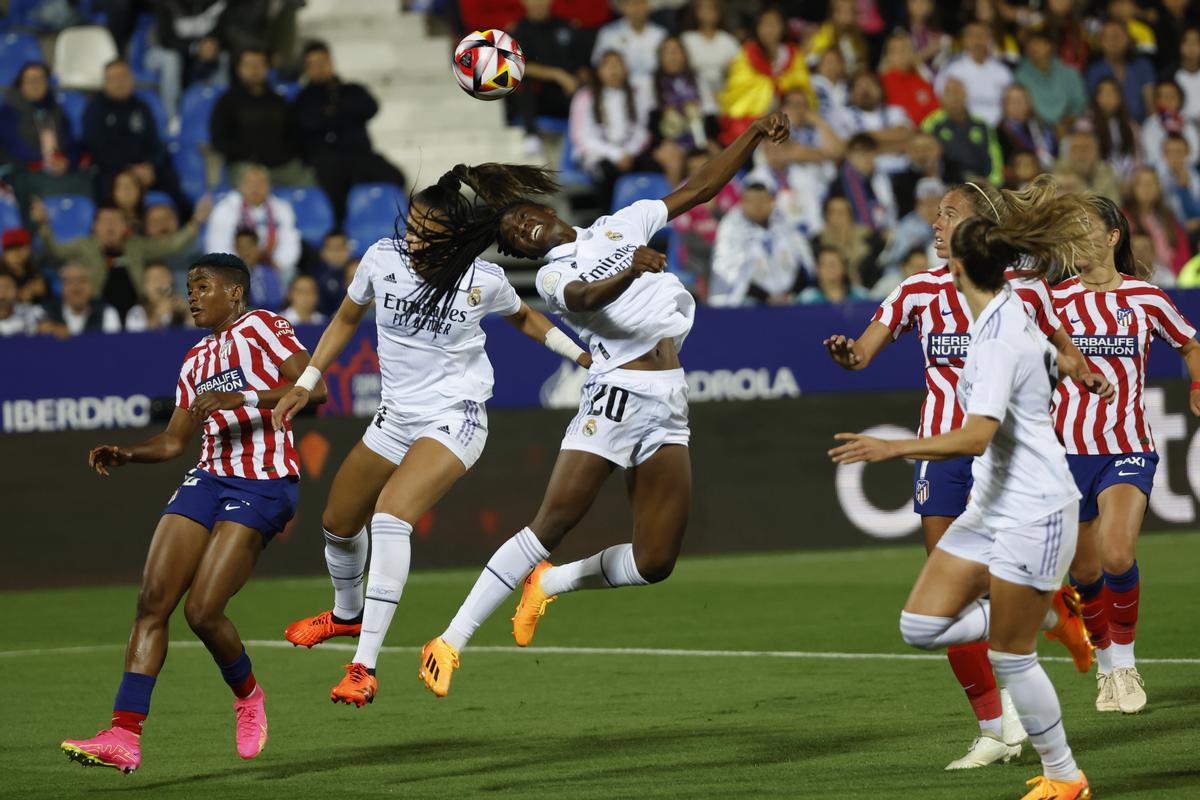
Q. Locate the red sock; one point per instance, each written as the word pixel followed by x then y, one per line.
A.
pixel 129 720
pixel 974 673
pixel 1123 614
pixel 245 688
pixel 1095 619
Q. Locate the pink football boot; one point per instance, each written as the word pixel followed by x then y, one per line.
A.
pixel 251 714
pixel 116 747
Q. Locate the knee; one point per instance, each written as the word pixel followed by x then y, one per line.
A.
pixel 921 631
pixel 338 524
pixel 1118 560
pixel 654 567
pixel 153 601
pixel 202 616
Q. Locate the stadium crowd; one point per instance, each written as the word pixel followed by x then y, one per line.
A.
pixel 213 128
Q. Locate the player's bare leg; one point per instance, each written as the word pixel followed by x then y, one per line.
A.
pixel 1087 577
pixel 227 565
pixel 356 487
pixel 427 472
pixel 175 553
pixel 1122 509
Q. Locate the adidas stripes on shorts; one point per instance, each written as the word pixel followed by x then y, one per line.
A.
pixel 462 428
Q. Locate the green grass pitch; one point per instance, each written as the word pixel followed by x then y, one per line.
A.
pixel 595 724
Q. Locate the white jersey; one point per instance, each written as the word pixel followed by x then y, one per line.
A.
pixel 1010 375
pixel 654 307
pixel 430 361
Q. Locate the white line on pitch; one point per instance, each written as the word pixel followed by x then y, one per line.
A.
pixel 577 651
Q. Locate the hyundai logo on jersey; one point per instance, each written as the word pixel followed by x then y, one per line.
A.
pixel 946 346
pixel 231 380
pixel 1120 346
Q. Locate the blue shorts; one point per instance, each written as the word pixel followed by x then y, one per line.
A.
pixel 941 488
pixel 1094 474
pixel 265 506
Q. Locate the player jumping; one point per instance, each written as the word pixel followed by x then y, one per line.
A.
pixel 1015 540
pixel 230 505
pixel 606 284
pixel 1113 315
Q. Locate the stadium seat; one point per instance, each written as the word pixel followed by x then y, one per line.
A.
pixel 314 214
pixel 70 215
pixel 569 173
pixel 80 55
pixel 139 44
pixel 189 163
pixel 151 98
pixel 195 108
pixel 636 186
pixel 371 210
pixel 157 198
pixel 552 125
pixel 73 105
pixel 10 215
pixel 17 50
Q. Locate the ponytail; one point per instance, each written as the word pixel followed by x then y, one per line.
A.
pixel 503 185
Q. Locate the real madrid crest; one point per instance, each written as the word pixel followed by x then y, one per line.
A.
pixel 614 235
pixel 589 428
pixel 474 296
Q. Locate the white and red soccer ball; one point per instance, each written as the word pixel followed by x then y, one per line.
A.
pixel 488 64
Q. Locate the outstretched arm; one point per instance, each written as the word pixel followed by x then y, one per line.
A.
pixel 537 326
pixel 972 439
pixel 856 354
pixel 163 447
pixel 720 169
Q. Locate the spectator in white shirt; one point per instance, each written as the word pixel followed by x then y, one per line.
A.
pixel 80 310
pixel 759 254
pixel 829 83
pixel 710 46
pixel 1188 74
pixel 984 76
pixel 635 37
pixel 16 318
pixel 1180 183
pixel 1167 119
pixel 303 297
pixel 253 206
pixel 889 125
pixel 161 306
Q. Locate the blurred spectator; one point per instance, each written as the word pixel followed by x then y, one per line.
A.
pixel 711 47
pixel 554 61
pixel 188 49
pixel 695 231
pixel 905 80
pixel 1132 72
pixel 333 115
pixel 858 244
pixel 1080 156
pixel 1149 213
pixel 17 317
pixel 1062 22
pixel 766 66
pixel 302 302
pixel 161 307
pixel 841 32
pixel 635 37
pixel 868 190
pixel 924 160
pixel 1140 34
pixel 1172 21
pixel 80 310
pixel 252 124
pixel 915 230
pixel 1165 120
pixel 162 223
pixel 128 195
pixel 120 132
pixel 759 255
pixel 1160 274
pixel 1056 90
pixel 270 23
pixel 330 271
pixel 1188 73
pixel 833 283
pixel 112 256
pixel 931 44
pixel 610 126
pixel 829 83
pixel 266 281
pixel 17 261
pixel 253 206
pixel 999 27
pixel 889 125
pixel 802 167
pixel 1119 137
pixel 1020 131
pixel 982 75
pixel 971 150
pixel 36 135
pixel 684 116
pixel 914 262
pixel 1020 170
pixel 1180 183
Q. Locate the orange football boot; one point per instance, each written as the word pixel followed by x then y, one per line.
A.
pixel 438 662
pixel 532 606
pixel 314 630
pixel 357 688
pixel 1046 789
pixel 1070 629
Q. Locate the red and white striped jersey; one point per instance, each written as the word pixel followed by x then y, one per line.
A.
pixel 1113 329
pixel 246 356
pixel 929 303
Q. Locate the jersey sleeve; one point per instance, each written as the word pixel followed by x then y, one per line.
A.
pixel 185 390
pixel 898 311
pixel 995 382
pixel 551 281
pixel 1039 304
pixel 648 216
pixel 361 291
pixel 1168 324
pixel 276 335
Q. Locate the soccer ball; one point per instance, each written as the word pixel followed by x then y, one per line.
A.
pixel 488 64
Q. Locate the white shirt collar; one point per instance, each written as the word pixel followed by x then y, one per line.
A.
pixel 568 249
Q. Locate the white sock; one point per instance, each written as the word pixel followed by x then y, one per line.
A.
pixel 1122 655
pixel 1037 705
pixel 993 726
pixel 346 560
pixel 505 570
pixel 391 552
pixel 933 633
pixel 1050 620
pixel 608 569
pixel 1104 660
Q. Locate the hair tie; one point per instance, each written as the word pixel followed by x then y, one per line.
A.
pixel 979 189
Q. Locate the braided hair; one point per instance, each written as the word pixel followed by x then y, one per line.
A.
pixel 505 187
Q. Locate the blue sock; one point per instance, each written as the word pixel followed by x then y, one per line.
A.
pixel 1088 591
pixel 239 675
pixel 132 705
pixel 1125 582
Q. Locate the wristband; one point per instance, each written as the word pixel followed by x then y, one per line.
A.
pixel 308 379
pixel 1195 385
pixel 251 398
pixel 560 343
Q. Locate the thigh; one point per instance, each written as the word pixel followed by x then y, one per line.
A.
pixel 1122 509
pixel 660 493
pixel 576 480
pixel 934 528
pixel 175 553
pixel 355 489
pixel 1085 567
pixel 227 564
pixel 1017 614
pixel 946 585
pixel 427 472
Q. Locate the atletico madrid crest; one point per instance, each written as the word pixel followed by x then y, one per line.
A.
pixel 922 493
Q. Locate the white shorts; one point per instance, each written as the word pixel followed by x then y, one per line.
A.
pixel 626 415
pixel 1037 554
pixel 462 428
